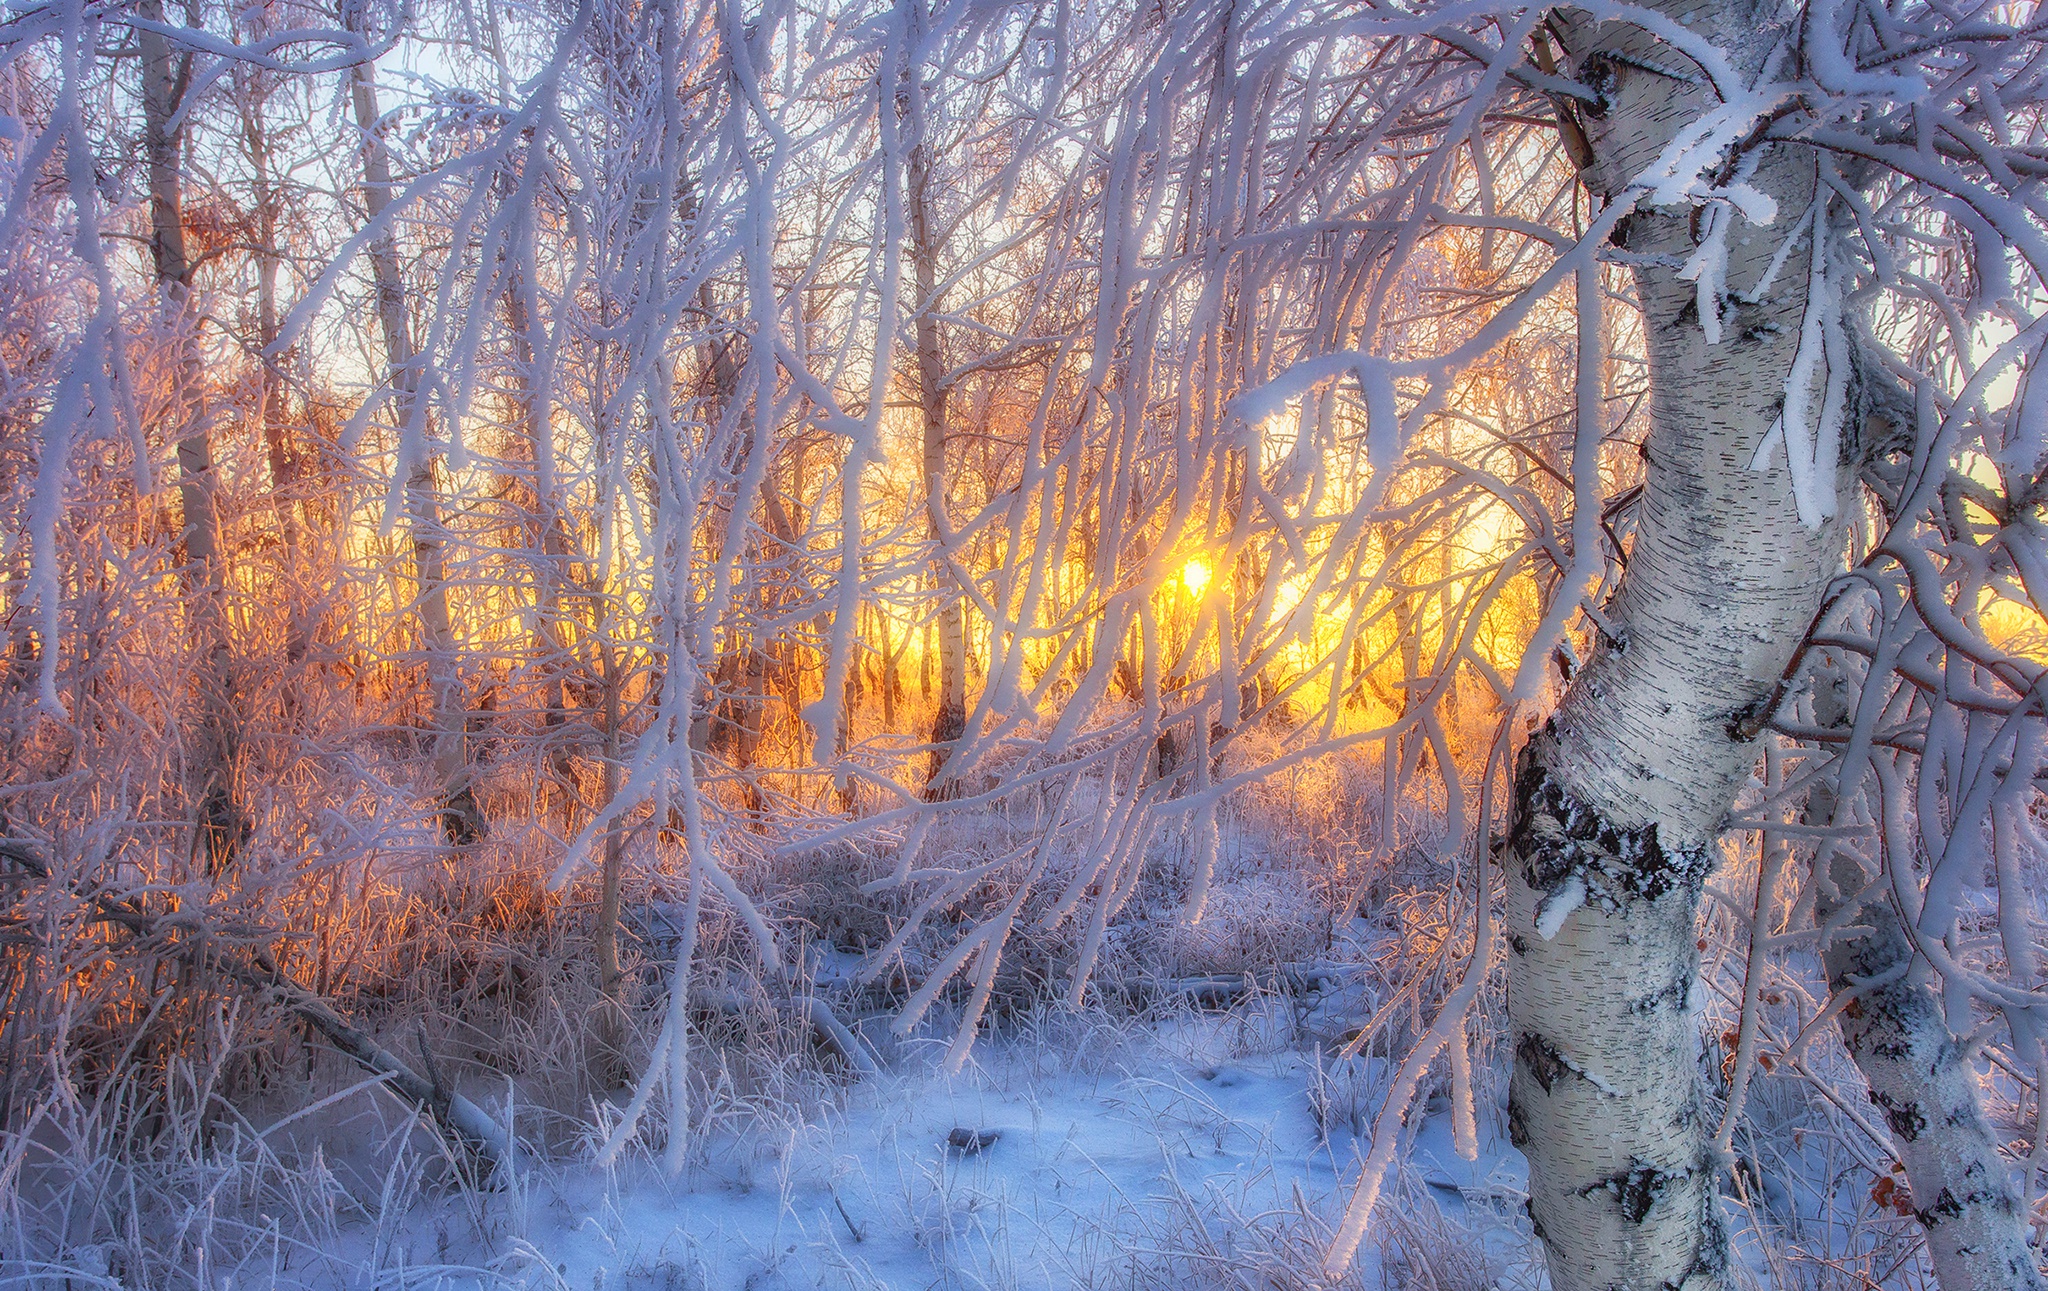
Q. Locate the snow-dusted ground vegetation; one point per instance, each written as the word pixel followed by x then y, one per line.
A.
pixel 1197 1124
pixel 1023 643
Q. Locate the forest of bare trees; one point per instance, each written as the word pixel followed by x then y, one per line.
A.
pixel 600 592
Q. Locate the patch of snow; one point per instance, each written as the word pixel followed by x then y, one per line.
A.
pixel 1565 898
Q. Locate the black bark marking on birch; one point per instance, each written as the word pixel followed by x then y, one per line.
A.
pixel 1518 1124
pixel 1921 1079
pixel 1598 73
pixel 1637 1189
pixel 1541 1060
pixel 1893 1050
pixel 1559 838
pixel 1750 717
pixel 1945 1207
pixel 1904 1116
pixel 1673 996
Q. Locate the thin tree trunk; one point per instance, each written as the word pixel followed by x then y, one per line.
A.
pixel 284 463
pixel 611 1023
pixel 461 821
pixel 1619 800
pixel 165 79
pixel 733 718
pixel 548 535
pixel 949 722
pixel 1919 1073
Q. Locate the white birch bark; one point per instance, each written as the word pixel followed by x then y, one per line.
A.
pixel 1918 1071
pixel 1920 1077
pixel 1619 800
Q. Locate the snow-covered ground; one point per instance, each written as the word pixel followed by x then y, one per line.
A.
pixel 1186 1130
pixel 1190 1152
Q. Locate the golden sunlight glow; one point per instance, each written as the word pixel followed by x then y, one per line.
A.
pixel 2013 627
pixel 1195 576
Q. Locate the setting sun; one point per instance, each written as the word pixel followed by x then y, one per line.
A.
pixel 1195 576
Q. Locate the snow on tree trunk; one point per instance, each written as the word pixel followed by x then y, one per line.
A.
pixel 1919 1073
pixel 1920 1077
pixel 548 547
pixel 1619 799
pixel 285 484
pixel 732 720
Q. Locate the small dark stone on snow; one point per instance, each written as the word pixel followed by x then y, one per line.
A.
pixel 968 1142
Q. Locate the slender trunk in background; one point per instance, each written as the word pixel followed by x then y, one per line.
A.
pixel 731 722
pixel 1619 800
pixel 949 722
pixel 461 821
pixel 892 672
pixel 548 538
pixel 925 654
pixel 165 79
pixel 598 628
pixel 624 302
pixel 1919 1072
pixel 612 1067
pixel 1398 762
pixel 284 464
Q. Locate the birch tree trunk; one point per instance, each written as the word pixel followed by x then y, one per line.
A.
pixel 949 722
pixel 1919 1073
pixel 165 81
pixel 1620 798
pixel 461 821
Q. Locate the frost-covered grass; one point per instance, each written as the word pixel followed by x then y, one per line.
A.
pixel 1156 1137
pixel 1181 1152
